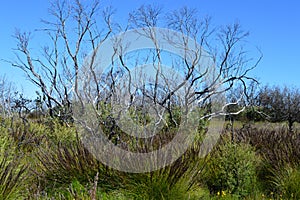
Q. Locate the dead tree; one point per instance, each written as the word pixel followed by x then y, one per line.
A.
pixel 189 79
pixel 7 93
pixel 64 74
pixel 70 35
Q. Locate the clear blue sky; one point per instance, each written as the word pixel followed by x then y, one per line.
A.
pixel 274 27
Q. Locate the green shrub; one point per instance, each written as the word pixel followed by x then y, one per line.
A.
pixel 232 169
pixel 54 131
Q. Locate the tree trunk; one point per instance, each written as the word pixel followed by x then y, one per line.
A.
pixel 291 125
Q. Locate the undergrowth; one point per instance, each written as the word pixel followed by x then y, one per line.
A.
pixel 47 160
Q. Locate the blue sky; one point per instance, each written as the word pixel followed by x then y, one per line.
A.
pixel 274 27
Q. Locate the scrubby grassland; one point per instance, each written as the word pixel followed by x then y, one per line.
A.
pixel 46 160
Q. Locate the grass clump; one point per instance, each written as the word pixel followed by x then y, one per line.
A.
pixel 286 182
pixel 157 186
pixel 13 170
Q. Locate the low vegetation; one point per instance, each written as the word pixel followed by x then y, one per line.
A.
pixel 259 163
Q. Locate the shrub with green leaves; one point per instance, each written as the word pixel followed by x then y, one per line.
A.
pixel 232 168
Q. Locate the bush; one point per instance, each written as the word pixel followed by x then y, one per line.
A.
pixel 232 168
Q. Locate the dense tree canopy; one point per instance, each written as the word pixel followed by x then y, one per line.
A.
pixel 280 104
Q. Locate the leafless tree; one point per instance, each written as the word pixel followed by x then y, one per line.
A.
pixel 65 72
pixel 231 65
pixel 71 33
pixel 212 62
pixel 7 93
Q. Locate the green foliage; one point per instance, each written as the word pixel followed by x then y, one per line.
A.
pixel 281 104
pixel 59 164
pixel 286 182
pixel 74 191
pixel 54 131
pixel 157 185
pixel 11 177
pixel 279 149
pixel 50 161
pixel 231 168
pixel 251 114
pixel 12 169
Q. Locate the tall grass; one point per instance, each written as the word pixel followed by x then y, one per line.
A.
pixel 47 160
pixel 280 151
pixel 59 164
pixel 277 145
pixel 286 181
pixel 13 170
pixel 11 178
